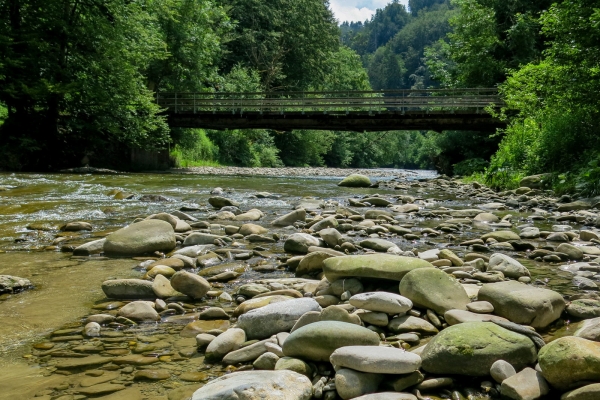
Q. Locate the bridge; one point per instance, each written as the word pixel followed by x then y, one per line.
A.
pixel 359 111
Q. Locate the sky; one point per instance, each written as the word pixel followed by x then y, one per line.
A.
pixel 357 10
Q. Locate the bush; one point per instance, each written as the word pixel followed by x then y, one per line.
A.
pixel 470 166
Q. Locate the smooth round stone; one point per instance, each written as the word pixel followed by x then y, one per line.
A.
pixel 527 384
pixel 584 308
pixel 480 307
pixel 408 323
pixel 508 266
pixel 190 284
pixel 91 329
pixel 373 318
pixel 163 270
pixel 152 374
pixel 355 180
pixel 350 383
pixel 589 392
pixel 294 364
pixel 376 359
pixel 317 341
pixel 141 238
pixel 139 311
pixel 230 340
pixel 381 266
pixel 501 370
pixel 385 302
pixel 266 361
pixel 128 289
pixel 264 385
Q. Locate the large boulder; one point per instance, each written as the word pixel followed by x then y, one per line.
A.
pixel 536 181
pixel 434 289
pixel 278 317
pixel 471 349
pixel 510 267
pixel 289 219
pixel 300 242
pixel 128 289
pixel 569 361
pixel 253 385
pixel 522 303
pixel 355 180
pixel 382 266
pixel 140 238
pixel 317 341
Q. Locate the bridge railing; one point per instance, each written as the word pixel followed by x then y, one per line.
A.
pixel 475 100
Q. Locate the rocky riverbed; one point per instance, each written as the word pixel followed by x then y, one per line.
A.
pixel 404 289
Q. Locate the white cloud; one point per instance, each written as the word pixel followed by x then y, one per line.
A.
pixel 357 10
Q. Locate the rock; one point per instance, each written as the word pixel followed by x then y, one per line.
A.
pixel 251 385
pixel 574 206
pixel 194 328
pixel 77 226
pixel 500 370
pixel 372 317
pixel 573 252
pixel 590 329
pixel 228 341
pixel 197 238
pixel 128 289
pixel 454 317
pixel 480 307
pixel 523 304
pixel 586 236
pixel 92 329
pixel 383 266
pixel 446 254
pixel 434 289
pixel 408 323
pixel 557 237
pixel 219 202
pixel 162 288
pixel 103 388
pixel 508 266
pixel 530 232
pixel 312 263
pixel 165 217
pixel 355 180
pixel 389 303
pixel 326 223
pixel 252 229
pixel 351 384
pixel 379 245
pixel 294 364
pixel 9 283
pixel 473 347
pixel 190 284
pixel 213 313
pixel 291 218
pixel 331 236
pixel 584 308
pixel 584 283
pixel 501 236
pixel 204 339
pixel 266 361
pixel 89 248
pixel 387 396
pixel 152 374
pixel 247 353
pixel 139 311
pixel 486 217
pixel 536 181
pixel 141 238
pixel 300 242
pixel 250 215
pixel 570 361
pixel 528 384
pixel 376 359
pixel 317 341
pixel 589 392
pixel 274 318
pixel 252 289
pixel 257 303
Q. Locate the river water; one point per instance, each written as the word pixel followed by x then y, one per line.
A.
pixel 34 206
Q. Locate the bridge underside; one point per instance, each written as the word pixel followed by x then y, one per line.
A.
pixel 339 121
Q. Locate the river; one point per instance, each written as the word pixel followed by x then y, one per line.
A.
pixel 34 206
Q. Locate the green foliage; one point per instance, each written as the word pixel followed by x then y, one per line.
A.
pixel 470 166
pixel 287 41
pixel 193 148
pixel 248 148
pixel 3 114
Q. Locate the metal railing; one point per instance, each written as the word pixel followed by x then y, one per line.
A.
pixel 475 100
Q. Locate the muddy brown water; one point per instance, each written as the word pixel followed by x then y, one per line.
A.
pixel 33 206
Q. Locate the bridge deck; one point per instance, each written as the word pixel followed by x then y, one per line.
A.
pixel 437 109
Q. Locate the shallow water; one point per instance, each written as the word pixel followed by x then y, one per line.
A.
pixel 67 288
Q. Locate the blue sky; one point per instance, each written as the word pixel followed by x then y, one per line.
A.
pixel 357 10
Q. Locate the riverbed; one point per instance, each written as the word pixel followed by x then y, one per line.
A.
pixel 33 207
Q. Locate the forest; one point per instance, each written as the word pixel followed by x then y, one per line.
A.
pixel 78 80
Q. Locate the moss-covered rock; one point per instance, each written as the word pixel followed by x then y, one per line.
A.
pixel 382 266
pixel 355 180
pixel 570 360
pixel 434 289
pixel 471 349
